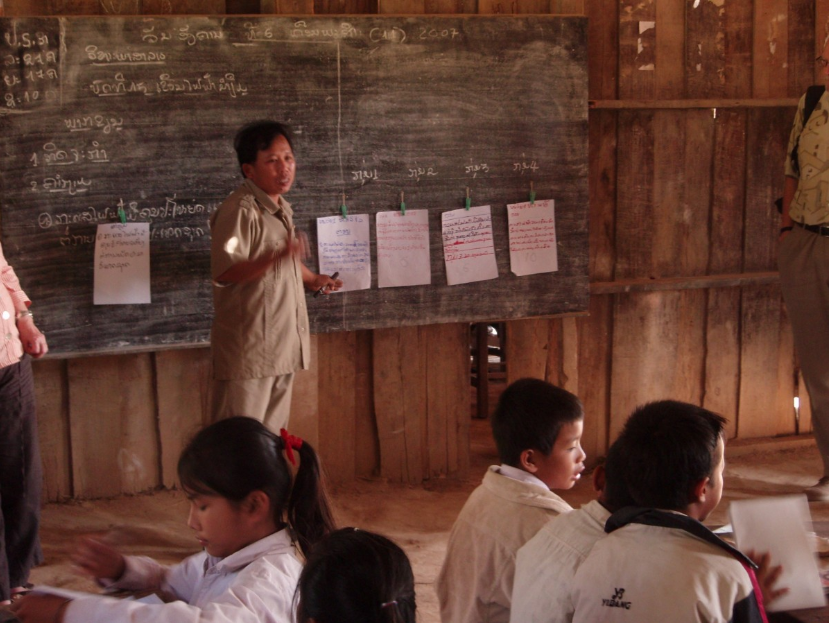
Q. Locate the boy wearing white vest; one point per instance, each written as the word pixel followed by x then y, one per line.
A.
pixel 537 429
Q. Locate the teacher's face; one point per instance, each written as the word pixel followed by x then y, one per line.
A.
pixel 274 168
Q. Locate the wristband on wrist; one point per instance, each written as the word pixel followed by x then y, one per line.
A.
pixel 24 314
pixel 787 228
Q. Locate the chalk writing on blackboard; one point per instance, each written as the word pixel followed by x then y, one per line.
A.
pixel 390 35
pixel 532 237
pixel 343 245
pixel 86 123
pixel 302 30
pixel 167 84
pixel 403 249
pixel 468 247
pixel 120 57
pixel 524 165
pixel 364 175
pixel 417 172
pixel 30 70
pixel 61 184
pixel 162 217
pixel 474 169
pixel 54 155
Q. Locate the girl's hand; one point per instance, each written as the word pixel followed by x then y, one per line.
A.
pixel 40 608
pixel 99 560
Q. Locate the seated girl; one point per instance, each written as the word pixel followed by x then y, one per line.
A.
pixel 250 516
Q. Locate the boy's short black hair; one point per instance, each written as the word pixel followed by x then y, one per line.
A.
pixel 669 447
pixel 616 494
pixel 529 415
pixel 256 136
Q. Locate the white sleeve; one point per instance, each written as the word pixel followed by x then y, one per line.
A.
pixel 145 574
pixel 97 609
pixel 262 593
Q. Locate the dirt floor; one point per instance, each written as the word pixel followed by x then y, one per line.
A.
pixel 419 518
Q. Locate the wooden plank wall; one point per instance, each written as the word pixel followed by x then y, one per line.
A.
pixel 693 104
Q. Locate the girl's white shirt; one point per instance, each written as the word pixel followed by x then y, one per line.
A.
pixel 254 585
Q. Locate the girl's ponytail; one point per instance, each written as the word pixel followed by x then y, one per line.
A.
pixel 308 511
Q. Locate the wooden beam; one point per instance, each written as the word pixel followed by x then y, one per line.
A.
pixel 684 283
pixel 656 104
pixel 286 7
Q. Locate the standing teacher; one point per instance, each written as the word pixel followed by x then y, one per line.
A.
pixel 804 258
pixel 21 474
pixel 260 331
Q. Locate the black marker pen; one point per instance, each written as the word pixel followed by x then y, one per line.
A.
pixel 318 292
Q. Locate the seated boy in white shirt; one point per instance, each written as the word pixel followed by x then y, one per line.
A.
pixel 659 562
pixel 546 564
pixel 537 428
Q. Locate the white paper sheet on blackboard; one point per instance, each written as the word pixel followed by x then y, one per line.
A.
pixel 532 237
pixel 468 247
pixel 778 525
pixel 343 246
pixel 122 264
pixel 403 249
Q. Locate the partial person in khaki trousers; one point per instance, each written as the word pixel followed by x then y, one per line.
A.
pixel 804 260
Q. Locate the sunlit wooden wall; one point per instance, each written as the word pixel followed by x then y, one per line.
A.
pixel 692 107
pixel 692 104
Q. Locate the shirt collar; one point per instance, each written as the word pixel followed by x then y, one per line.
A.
pixel 671 519
pixel 276 543
pixel 265 200
pixel 519 474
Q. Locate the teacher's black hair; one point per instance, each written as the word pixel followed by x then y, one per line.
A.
pixel 256 136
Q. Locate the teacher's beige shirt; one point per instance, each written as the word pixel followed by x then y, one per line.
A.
pixel 260 327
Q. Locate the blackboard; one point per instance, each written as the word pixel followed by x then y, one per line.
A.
pixel 102 112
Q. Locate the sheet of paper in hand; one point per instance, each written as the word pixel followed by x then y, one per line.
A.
pixel 779 526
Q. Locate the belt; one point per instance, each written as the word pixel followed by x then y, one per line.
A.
pixel 821 230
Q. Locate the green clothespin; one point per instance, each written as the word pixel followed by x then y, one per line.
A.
pixel 402 204
pixel 344 208
pixel 468 202
pixel 121 214
pixel 532 194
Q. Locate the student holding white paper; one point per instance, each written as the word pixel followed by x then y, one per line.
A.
pixel 658 561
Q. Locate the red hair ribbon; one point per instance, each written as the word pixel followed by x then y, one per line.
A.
pixel 291 443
